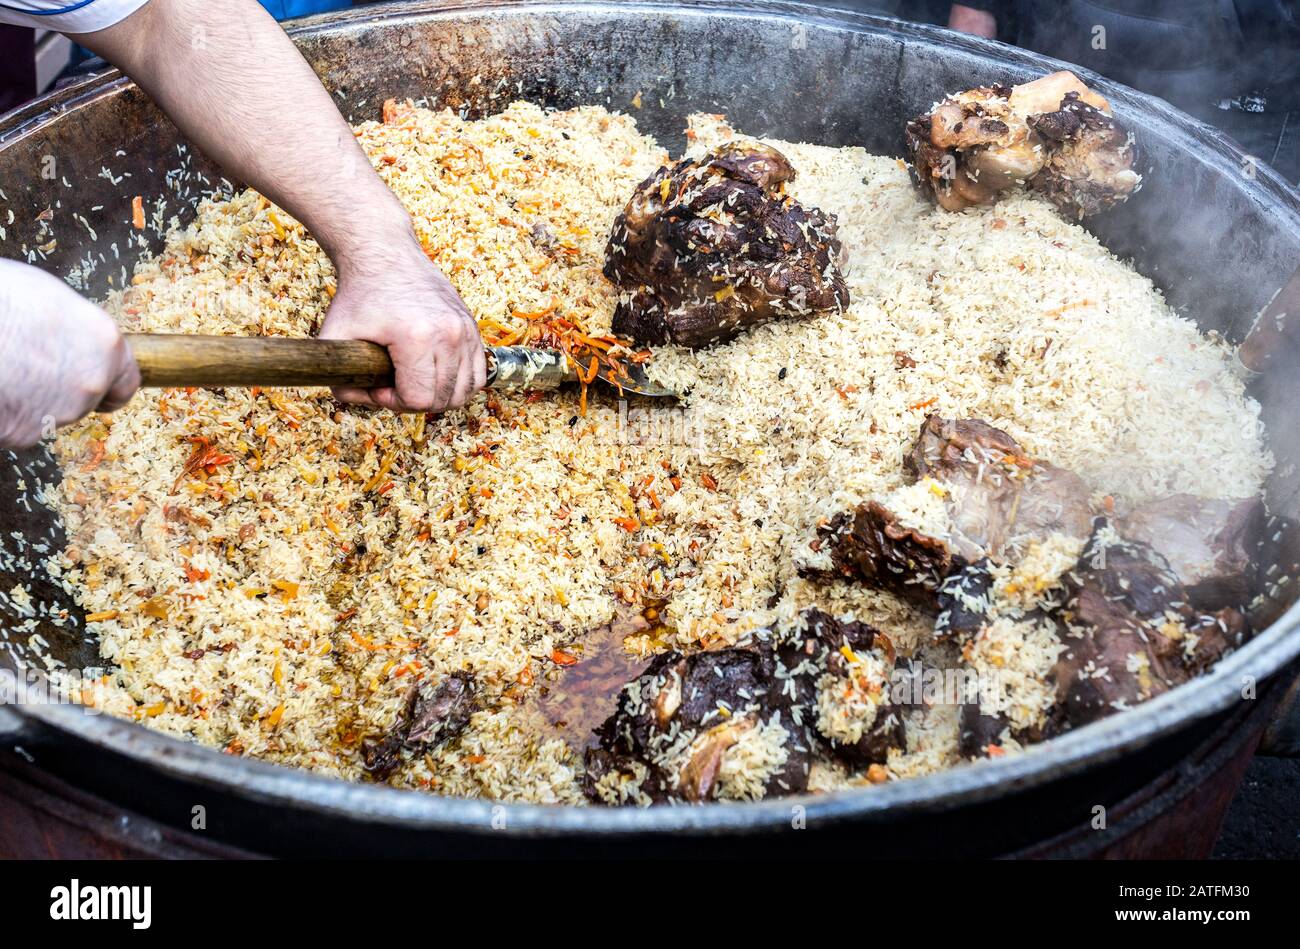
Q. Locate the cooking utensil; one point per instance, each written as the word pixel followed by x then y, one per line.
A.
pixel 167 359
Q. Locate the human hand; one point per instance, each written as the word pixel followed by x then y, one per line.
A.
pixel 63 356
pixel 403 302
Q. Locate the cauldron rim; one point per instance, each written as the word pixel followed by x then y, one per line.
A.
pixel 1068 754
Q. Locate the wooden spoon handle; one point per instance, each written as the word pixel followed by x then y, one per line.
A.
pixel 209 362
pixel 214 361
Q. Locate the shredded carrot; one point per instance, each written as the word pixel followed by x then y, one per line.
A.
pixel 628 524
pixel 536 314
pixel 101 617
pixel 1069 306
pixel 562 658
pixel 137 212
pixel 708 481
pixel 280 232
pixel 98 449
pixel 204 457
pixel 924 404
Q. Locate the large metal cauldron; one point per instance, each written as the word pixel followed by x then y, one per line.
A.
pixel 1217 233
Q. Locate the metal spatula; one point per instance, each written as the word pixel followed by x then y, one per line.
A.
pixel 230 361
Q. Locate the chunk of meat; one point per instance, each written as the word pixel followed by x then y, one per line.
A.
pixel 707 248
pixel 946 447
pixel 971 146
pixel 1046 94
pixel 1090 165
pixel 433 715
pixel 869 545
pixel 998 498
pixel 856 717
pixel 964 600
pixel 441 712
pixel 675 725
pixel 978 730
pixel 1126 633
pixel 1054 134
pixel 1130 632
pixel 1211 545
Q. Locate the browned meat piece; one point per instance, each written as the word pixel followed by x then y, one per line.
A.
pixel 1130 632
pixel 1211 545
pixel 999 499
pixel 680 716
pixel 964 601
pixel 977 731
pixel 433 715
pixel 854 655
pixel 971 146
pixel 1053 133
pixel 869 545
pixel 707 248
pixel 1091 161
pixel 674 725
pixel 945 447
pixel 441 712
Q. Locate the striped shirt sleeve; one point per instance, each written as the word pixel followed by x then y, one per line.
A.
pixel 68 16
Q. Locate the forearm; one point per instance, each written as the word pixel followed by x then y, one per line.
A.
pixel 234 83
pixel 236 86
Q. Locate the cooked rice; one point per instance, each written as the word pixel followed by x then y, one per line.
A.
pixel 280 605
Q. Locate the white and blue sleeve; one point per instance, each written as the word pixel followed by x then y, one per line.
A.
pixel 68 16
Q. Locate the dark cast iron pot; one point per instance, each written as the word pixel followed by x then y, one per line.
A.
pixel 1218 233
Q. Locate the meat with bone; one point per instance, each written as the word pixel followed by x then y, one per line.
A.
pixel 1054 134
pixel 870 545
pixel 1091 158
pixel 678 724
pixel 998 498
pixel 995 502
pixel 1211 545
pixel 708 247
pixel 1123 631
pixel 1115 622
pixel 434 714
pixel 1130 632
